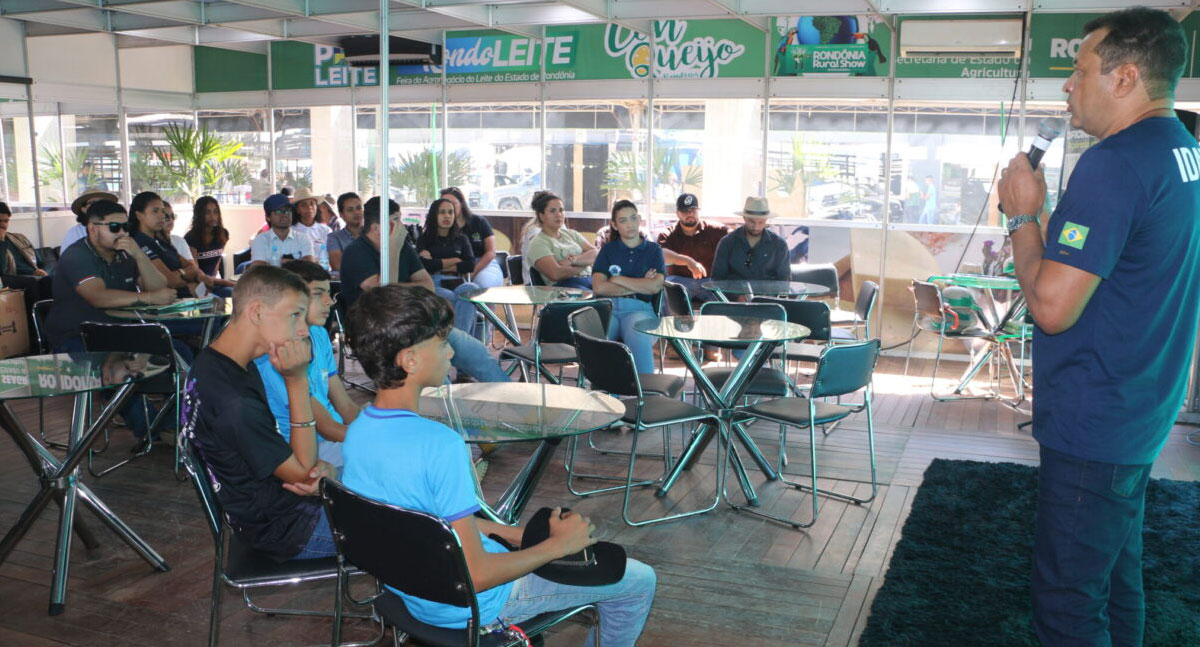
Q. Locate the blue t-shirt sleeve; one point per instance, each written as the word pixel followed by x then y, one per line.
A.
pixel 1095 218
pixel 451 483
pixel 277 398
pixel 658 261
pixel 323 350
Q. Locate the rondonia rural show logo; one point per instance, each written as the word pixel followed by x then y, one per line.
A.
pixel 676 58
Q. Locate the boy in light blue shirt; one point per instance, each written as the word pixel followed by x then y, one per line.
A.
pixel 399 333
pixel 332 406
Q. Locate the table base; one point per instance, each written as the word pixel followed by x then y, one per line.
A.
pixel 60 481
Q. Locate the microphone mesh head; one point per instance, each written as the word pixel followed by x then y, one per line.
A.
pixel 1050 128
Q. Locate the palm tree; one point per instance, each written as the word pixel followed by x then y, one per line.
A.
pixel 195 159
pixel 417 178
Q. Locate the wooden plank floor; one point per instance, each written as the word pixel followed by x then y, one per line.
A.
pixel 725 578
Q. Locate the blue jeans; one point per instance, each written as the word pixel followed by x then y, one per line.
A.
pixel 695 292
pixel 623 606
pixel 320 544
pixel 581 282
pixel 490 276
pixel 464 311
pixel 1087 552
pixel 472 357
pixel 626 312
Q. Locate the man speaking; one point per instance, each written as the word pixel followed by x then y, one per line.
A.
pixel 1110 280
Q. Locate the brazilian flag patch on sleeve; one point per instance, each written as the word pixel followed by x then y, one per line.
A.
pixel 1073 235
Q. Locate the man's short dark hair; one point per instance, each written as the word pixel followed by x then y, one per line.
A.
pixel 1150 39
pixel 308 271
pixel 386 320
pixel 341 201
pixel 102 209
pixel 371 212
pixel 267 283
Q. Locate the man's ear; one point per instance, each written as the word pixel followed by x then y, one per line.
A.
pixel 1127 78
pixel 254 311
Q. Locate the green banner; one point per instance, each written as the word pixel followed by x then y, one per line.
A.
pixel 829 45
pixel 1054 41
pixel 224 70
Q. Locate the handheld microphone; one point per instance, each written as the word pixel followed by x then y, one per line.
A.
pixel 1048 130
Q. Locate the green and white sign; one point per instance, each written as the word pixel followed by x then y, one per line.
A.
pixel 688 49
pixel 829 45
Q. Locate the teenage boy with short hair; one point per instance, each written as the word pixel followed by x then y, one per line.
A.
pixel 332 407
pixel 264 483
pixel 396 456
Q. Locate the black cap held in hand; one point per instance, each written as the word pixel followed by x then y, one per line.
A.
pixel 597 565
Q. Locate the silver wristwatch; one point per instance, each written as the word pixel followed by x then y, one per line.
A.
pixel 1016 222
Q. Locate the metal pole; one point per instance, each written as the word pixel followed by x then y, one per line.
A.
pixel 766 115
pixel 385 81
pixel 887 180
pixel 649 187
pixel 126 190
pixel 62 153
pixel 271 127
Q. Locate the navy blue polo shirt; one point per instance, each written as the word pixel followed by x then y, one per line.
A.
pixel 618 259
pixel 360 262
pixel 80 263
pixel 1109 387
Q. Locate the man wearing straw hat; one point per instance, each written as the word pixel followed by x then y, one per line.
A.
pixel 753 252
pixel 79 208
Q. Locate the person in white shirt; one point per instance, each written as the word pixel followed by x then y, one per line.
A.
pixel 187 262
pixel 280 240
pixel 304 221
pixel 79 208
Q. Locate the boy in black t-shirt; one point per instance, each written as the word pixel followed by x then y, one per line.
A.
pixel 265 484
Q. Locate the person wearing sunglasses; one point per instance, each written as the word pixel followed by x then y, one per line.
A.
pixel 753 252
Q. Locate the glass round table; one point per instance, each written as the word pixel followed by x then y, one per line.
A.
pixel 727 287
pixel 81 375
pixel 762 337
pixel 207 309
pixel 499 412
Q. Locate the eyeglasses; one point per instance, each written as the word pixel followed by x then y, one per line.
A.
pixel 113 227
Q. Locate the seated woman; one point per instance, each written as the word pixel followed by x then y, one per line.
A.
pixel 630 269
pixel 305 221
pixel 147 226
pixel 486 273
pixel 206 240
pixel 448 258
pixel 563 256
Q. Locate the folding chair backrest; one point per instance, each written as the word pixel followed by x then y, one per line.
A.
pixel 41 315
pixel 553 326
pixel 677 301
pixel 502 260
pixel 535 277
pixel 516 275
pixel 152 338
pixel 607 365
pixel 823 274
pixel 759 310
pixel 410 551
pixel 240 257
pixel 588 321
pixel 865 303
pixel 928 298
pixel 845 368
pixel 813 315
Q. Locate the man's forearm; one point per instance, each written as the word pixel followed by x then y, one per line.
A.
pixel 303 439
pixel 150 278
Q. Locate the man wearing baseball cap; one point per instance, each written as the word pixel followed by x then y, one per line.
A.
pixel 689 246
pixel 79 207
pixel 280 240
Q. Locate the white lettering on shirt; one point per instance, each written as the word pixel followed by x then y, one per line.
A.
pixel 1188 160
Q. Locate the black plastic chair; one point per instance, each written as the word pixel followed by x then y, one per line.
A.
pixel 536 278
pixel 421 555
pixel 813 315
pixel 502 260
pixel 769 381
pixel 823 274
pixel 842 369
pixel 154 339
pixel 240 257
pixel 238 565
pixel 514 266
pixel 552 343
pixel 608 366
pixel 48 257
pixel 864 307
